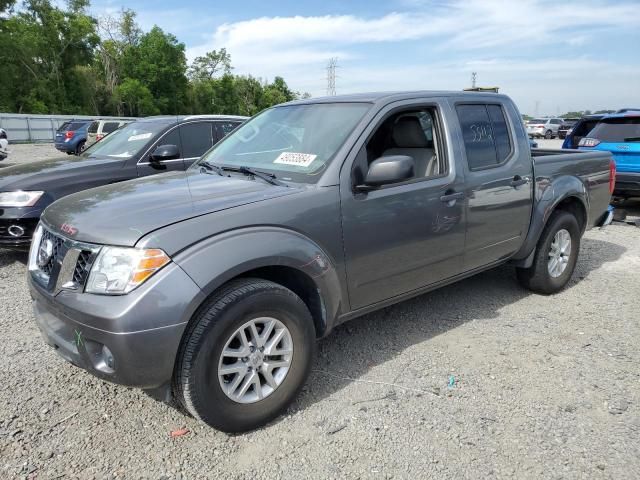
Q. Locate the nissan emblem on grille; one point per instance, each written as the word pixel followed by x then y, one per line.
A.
pixel 45 252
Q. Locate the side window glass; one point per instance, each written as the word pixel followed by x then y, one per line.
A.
pixel 225 128
pixel 171 138
pixel 477 135
pixel 500 132
pixel 109 127
pixel 196 139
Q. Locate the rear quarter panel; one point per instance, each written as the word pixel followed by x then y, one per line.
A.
pixel 563 174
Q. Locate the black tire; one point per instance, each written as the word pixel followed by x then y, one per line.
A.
pixel 548 135
pixel 80 148
pixel 537 278
pixel 196 385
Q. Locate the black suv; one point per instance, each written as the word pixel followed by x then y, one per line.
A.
pixel 567 124
pixel 145 147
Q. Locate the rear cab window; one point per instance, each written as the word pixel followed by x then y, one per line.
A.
pixel 486 135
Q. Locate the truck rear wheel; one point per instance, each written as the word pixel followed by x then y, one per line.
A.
pixel 555 257
pixel 245 356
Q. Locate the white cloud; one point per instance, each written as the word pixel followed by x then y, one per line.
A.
pixel 487 35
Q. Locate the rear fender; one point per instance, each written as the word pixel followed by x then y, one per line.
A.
pixel 213 262
pixel 549 194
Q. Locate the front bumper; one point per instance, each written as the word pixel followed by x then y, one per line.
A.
pixel 131 339
pixel 627 184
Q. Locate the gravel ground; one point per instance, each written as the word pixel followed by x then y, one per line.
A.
pixel 480 379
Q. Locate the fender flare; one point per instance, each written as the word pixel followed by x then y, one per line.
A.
pixel 216 260
pixel 548 196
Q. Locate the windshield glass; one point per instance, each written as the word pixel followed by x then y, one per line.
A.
pixel 295 142
pixel 126 141
pixel 617 129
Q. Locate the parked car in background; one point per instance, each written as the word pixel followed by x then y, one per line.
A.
pixel 71 137
pixel 213 284
pixel 579 130
pixel 628 109
pixel 145 147
pixel 566 125
pixel 4 144
pixel 543 127
pixel 619 134
pixel 101 128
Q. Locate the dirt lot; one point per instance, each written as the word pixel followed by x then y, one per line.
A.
pixel 481 379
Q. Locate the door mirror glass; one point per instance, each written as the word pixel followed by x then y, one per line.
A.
pixel 165 152
pixel 388 170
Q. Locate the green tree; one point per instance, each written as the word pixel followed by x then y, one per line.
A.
pixel 209 65
pixel 135 98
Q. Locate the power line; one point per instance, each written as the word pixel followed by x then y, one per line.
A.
pixel 331 76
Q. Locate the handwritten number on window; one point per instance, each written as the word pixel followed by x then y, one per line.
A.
pixel 481 132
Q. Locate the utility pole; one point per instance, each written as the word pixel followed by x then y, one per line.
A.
pixel 473 79
pixel 331 76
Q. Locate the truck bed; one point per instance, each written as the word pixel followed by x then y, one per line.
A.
pixel 591 168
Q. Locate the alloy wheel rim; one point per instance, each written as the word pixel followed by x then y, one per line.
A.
pixel 559 253
pixel 255 360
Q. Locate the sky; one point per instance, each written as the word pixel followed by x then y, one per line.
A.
pixel 549 56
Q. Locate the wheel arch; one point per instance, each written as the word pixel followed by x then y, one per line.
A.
pixel 270 253
pixel 573 200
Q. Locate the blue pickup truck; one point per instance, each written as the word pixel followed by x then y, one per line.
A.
pixel 619 134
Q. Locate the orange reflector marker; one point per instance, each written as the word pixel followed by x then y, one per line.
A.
pixel 152 261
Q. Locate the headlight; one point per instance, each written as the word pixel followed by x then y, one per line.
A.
pixel 117 270
pixel 19 198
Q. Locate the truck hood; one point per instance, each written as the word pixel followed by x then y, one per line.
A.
pixel 55 171
pixel 120 214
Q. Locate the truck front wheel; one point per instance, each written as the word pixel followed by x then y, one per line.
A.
pixel 245 356
pixel 555 256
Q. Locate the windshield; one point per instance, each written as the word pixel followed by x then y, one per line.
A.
pixel 295 142
pixel 617 129
pixel 126 141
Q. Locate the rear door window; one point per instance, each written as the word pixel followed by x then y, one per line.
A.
pixel 196 139
pixel 109 127
pixel 93 128
pixel 501 135
pixel 477 136
pixel 224 128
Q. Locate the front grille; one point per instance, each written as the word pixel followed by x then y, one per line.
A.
pixel 67 267
pixel 57 255
pixel 83 265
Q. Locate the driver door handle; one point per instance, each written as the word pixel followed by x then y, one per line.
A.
pixel 518 180
pixel 452 197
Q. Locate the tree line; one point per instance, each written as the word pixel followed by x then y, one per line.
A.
pixel 62 60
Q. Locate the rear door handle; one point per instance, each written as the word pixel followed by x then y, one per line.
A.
pixel 452 197
pixel 518 180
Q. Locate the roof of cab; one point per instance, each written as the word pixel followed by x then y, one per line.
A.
pixel 386 97
pixel 185 118
pixel 629 113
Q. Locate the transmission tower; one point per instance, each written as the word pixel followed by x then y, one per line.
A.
pixel 331 76
pixel 473 79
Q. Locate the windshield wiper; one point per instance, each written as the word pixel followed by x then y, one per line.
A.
pixel 267 177
pixel 210 167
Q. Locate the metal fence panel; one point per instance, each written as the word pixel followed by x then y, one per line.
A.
pixel 26 128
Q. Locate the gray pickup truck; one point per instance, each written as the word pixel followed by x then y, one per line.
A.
pixel 211 286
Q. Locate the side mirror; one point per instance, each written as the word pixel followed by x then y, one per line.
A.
pixel 388 170
pixel 165 152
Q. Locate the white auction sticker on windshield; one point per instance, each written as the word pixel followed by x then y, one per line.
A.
pixel 292 158
pixel 141 136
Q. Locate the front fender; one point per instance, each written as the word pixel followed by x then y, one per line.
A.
pixel 216 260
pixel 549 194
